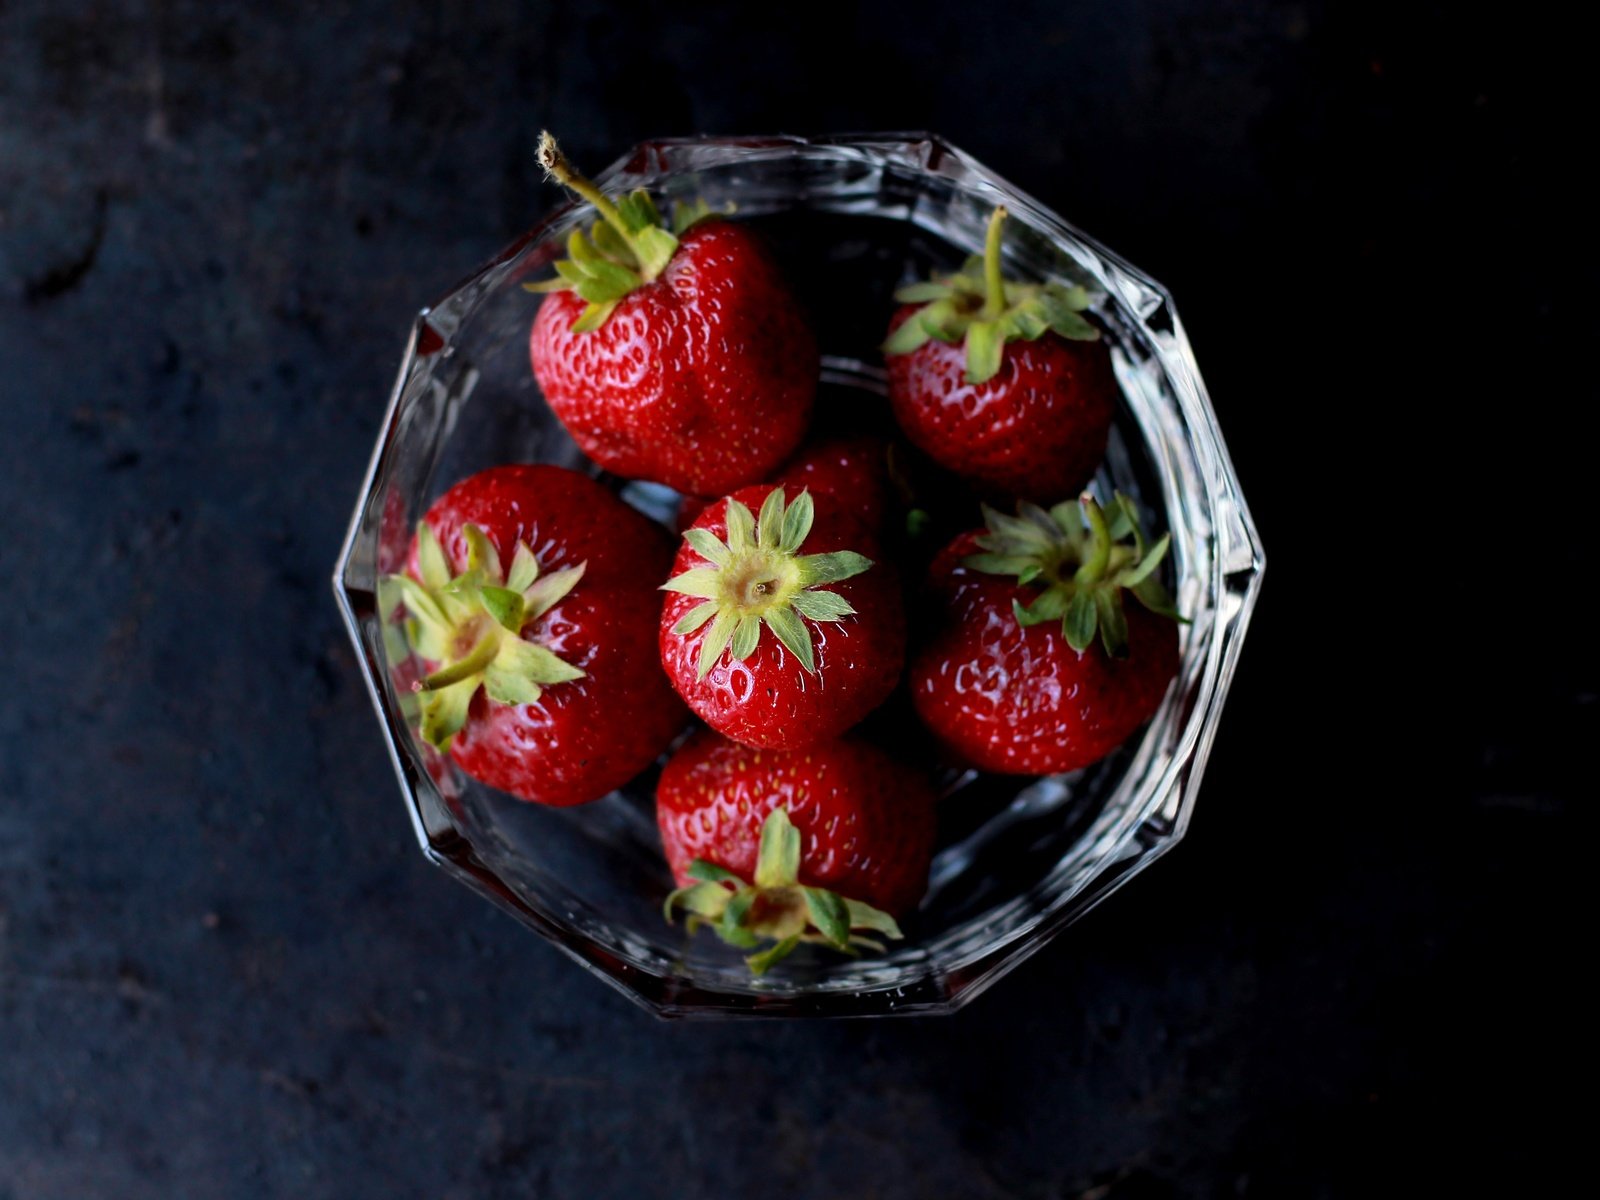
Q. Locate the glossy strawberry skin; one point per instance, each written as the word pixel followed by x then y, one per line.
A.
pixel 866 822
pixel 587 736
pixel 1020 700
pixel 769 700
pixel 702 380
pixel 1036 431
pixel 852 467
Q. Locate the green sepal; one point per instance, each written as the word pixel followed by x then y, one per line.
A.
pixel 730 926
pixel 485 610
pixel 695 617
pixel 822 606
pixel 832 568
pixel 829 914
pixel 545 592
pixel 504 606
pixel 639 210
pixel 483 560
pixel 593 316
pixel 508 687
pixel 534 662
pixel 791 631
pixel 707 899
pixel 760 964
pixel 655 247
pixel 922 292
pixel 433 568
pixel 741 527
pixel 1080 620
pixel 444 712
pixel 775 907
pixel 985 341
pixel 778 859
pixel 745 633
pixel 907 336
pixel 797 522
pixel 1051 605
pixel 716 641
pixel 703 582
pixel 864 916
pixel 419 601
pixel 1078 558
pixel 686 214
pixel 627 248
pixel 709 872
pixel 976 305
pixel 757 577
pixel 469 665
pixel 707 545
pixel 1113 623
pixel 524 569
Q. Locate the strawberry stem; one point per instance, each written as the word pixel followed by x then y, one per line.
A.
pixel 1099 541
pixel 476 660
pixel 994 283
pixel 557 166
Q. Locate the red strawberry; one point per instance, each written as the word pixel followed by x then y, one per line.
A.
pixel 852 467
pixel 1014 680
pixel 773 647
pixel 677 356
pixel 850 819
pixel 1004 383
pixel 531 598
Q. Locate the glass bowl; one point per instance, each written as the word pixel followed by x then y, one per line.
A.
pixel 851 218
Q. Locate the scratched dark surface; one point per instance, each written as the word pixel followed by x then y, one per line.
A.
pixel 225 972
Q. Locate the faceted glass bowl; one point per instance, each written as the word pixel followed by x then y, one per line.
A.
pixel 851 218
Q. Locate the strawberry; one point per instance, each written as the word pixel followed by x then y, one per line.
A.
pixel 772 647
pixel 675 355
pixel 752 837
pixel 530 595
pixel 852 467
pixel 1014 678
pixel 1004 383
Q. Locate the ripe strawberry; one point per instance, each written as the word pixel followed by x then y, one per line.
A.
pixel 773 647
pixel 678 356
pixel 531 599
pixel 842 816
pixel 852 467
pixel 1013 680
pixel 1004 383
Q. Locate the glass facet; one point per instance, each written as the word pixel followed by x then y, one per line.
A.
pixel 851 217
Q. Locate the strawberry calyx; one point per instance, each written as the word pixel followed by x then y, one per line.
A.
pixel 979 306
pixel 758 578
pixel 470 624
pixel 627 248
pixel 1081 559
pixel 776 906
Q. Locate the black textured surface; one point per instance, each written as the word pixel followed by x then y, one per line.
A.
pixel 224 969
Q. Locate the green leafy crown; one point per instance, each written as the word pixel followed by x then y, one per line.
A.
pixel 775 906
pixel 627 248
pixel 758 578
pixel 471 625
pixel 979 306
pixel 1081 560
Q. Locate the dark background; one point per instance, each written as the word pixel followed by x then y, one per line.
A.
pixel 226 972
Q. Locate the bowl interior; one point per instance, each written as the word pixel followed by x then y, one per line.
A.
pixel 850 219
